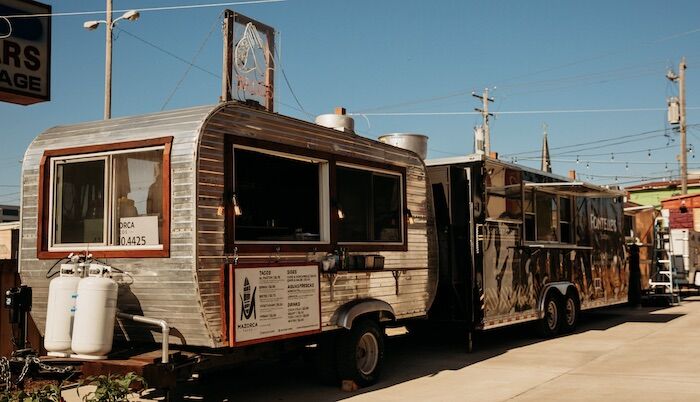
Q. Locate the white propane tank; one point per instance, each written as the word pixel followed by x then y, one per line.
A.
pixel 95 311
pixel 60 310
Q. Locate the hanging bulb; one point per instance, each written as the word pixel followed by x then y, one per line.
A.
pixel 588 165
pixel 649 154
pixel 666 165
pixel 516 160
pixel 577 161
pixel 627 166
pixel 612 156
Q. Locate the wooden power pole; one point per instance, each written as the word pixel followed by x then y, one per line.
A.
pixel 227 70
pixel 485 114
pixel 684 146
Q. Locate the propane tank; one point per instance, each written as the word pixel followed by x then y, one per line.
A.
pixel 60 310
pixel 95 310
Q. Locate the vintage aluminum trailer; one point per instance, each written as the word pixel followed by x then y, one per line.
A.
pixel 242 228
pixel 219 218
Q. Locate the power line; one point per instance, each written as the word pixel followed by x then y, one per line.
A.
pixel 169 53
pixel 191 63
pixel 513 112
pixel 148 9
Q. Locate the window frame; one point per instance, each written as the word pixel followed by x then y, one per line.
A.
pixel 557 198
pixel 232 246
pixel 402 205
pixel 323 195
pixel 46 193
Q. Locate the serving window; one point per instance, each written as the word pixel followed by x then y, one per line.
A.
pixel 279 198
pixel 111 200
pixel 547 217
pixel 369 205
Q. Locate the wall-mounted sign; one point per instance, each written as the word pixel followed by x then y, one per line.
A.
pixel 274 302
pixel 25 52
pixel 138 231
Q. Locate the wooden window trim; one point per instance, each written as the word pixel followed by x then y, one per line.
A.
pixel 44 189
pixel 231 246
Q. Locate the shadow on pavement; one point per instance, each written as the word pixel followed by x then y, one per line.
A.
pixel 407 358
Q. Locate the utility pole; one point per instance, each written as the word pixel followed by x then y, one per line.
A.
pixel 108 62
pixel 485 114
pixel 684 147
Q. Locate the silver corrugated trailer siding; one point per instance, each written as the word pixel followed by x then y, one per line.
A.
pixel 185 288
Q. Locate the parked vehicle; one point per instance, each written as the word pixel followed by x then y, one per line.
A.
pixel 242 228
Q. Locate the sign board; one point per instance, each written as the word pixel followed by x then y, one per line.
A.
pixel 138 231
pixel 25 52
pixel 274 302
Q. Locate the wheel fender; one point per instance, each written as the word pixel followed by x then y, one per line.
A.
pixel 561 288
pixel 348 312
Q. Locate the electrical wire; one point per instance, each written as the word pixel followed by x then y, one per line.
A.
pixel 142 10
pixel 191 63
pixel 514 112
pixel 169 53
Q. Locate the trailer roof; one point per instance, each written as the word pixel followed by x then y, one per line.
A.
pixel 577 188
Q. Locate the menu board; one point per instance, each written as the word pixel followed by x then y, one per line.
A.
pixel 275 301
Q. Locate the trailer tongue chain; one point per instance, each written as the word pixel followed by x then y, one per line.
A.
pixel 6 373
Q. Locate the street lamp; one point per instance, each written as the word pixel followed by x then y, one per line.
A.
pixel 131 15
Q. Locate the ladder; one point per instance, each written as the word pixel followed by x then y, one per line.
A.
pixel 663 278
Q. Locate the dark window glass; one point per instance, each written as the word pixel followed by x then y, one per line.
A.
pixel 530 227
pixel 10 212
pixel 370 204
pixel 278 197
pixel 546 212
pixel 565 220
pixel 79 204
pixel 387 201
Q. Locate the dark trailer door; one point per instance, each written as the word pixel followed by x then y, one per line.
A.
pixel 456 201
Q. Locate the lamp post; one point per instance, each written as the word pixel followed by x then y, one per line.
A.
pixel 131 15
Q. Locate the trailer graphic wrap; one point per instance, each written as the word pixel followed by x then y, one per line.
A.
pixel 516 270
pixel 275 301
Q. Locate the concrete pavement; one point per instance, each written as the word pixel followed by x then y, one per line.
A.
pixel 621 354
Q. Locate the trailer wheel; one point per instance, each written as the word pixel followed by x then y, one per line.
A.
pixel 360 353
pixel 571 311
pixel 551 321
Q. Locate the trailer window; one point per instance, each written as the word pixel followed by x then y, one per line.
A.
pixel 546 215
pixel 566 220
pixel 279 197
pixel 110 200
pixel 503 192
pixel 529 214
pixel 79 207
pixel 369 205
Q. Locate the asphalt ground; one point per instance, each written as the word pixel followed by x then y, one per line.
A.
pixel 617 353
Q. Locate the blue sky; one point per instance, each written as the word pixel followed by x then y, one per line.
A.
pixel 367 55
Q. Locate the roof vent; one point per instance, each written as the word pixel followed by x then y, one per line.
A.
pixel 337 121
pixel 417 143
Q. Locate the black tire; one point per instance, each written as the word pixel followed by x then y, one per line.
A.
pixel 570 312
pixel 360 353
pixel 550 324
pixel 324 361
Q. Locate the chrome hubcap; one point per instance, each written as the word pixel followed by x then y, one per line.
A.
pixel 367 353
pixel 552 315
pixel 570 311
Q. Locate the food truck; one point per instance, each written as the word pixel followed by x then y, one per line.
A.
pixel 234 228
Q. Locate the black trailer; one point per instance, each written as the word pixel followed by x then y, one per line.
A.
pixel 518 244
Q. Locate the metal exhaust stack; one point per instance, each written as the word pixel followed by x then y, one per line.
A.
pixel 338 121
pixel 417 143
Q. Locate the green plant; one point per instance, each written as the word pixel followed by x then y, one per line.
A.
pixel 47 393
pixel 112 387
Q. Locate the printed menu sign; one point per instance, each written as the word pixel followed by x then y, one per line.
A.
pixel 138 231
pixel 275 301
